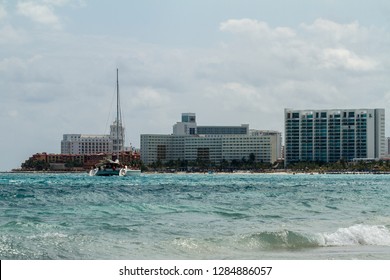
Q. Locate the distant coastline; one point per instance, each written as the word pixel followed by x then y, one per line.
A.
pixel 237 172
pixel 44 171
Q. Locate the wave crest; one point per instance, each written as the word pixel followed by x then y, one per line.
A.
pixel 357 235
pixel 351 236
pixel 284 239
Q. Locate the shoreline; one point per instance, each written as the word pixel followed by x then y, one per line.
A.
pixel 42 171
pixel 239 172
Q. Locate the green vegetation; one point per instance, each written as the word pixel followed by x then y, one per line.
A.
pixel 251 165
pixel 201 165
pixel 342 166
pixel 38 165
pixel 245 164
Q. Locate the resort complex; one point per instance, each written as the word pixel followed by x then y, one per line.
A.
pixel 311 136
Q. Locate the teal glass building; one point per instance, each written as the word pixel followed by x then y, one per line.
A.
pixel 333 135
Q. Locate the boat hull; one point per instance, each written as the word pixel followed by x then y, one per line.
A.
pixel 133 172
pixel 107 173
pixel 114 172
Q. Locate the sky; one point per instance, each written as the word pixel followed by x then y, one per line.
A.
pixel 231 62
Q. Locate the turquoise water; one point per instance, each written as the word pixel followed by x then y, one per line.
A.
pixel 194 216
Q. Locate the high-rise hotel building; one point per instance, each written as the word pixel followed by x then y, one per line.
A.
pixel 214 144
pixel 332 135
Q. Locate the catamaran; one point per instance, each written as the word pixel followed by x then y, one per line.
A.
pixel 109 167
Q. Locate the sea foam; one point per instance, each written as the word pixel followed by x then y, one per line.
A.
pixel 358 234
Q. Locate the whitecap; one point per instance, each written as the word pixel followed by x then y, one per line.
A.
pixel 359 234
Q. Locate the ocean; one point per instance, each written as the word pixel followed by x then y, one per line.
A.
pixel 194 216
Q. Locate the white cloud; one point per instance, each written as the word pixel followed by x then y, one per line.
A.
pixel 235 96
pixel 150 98
pixel 343 58
pixel 323 44
pixel 56 2
pixel 320 65
pixel 39 13
pixel 13 113
pixel 61 3
pixel 243 26
pixel 9 35
pixel 334 28
pixel 11 63
pixel 3 12
pixel 254 28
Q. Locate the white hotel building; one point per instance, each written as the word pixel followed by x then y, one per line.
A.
pixel 211 143
pixel 87 144
pixel 332 135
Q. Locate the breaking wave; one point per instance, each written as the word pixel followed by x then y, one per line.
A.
pixel 355 235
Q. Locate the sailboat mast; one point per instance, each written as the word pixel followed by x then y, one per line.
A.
pixel 117 113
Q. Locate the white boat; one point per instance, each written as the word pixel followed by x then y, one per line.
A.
pixel 108 167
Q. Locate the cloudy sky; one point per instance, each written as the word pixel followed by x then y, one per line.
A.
pixel 231 62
